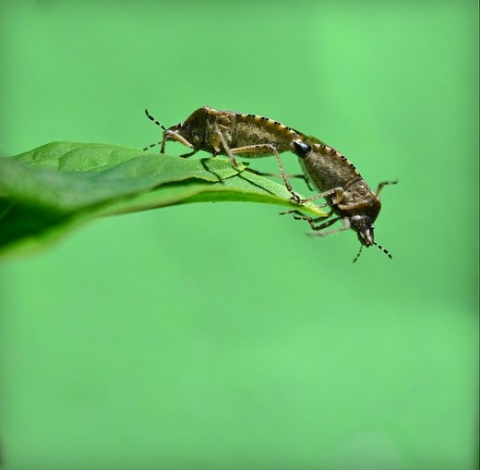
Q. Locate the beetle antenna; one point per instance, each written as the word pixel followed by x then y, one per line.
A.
pixel 380 247
pixel 156 123
pixel 358 254
pixel 154 120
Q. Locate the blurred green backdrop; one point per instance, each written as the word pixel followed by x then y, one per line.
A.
pixel 219 336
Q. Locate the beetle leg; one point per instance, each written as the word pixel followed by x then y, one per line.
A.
pixel 339 192
pixel 189 154
pixel 318 228
pixel 225 146
pixel 260 150
pixel 384 183
pixel 171 135
pixel 276 175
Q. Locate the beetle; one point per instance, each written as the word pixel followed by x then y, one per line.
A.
pixel 230 133
pixel 347 193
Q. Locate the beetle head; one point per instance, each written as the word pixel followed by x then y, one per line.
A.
pixel 191 131
pixel 363 225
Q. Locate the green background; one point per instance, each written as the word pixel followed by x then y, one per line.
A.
pixel 219 336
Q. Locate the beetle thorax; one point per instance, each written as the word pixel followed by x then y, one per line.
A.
pixel 360 206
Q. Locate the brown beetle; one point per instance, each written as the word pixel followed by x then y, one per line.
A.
pixel 231 133
pixel 347 193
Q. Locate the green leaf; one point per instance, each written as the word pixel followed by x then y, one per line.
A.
pixel 50 190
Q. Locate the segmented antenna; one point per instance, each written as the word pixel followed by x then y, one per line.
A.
pixel 157 123
pixel 380 247
pixel 358 254
pixel 154 120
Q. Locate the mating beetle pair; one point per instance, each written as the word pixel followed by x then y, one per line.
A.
pixel 251 136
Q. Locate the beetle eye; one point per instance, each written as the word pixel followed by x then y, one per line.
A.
pixel 301 148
